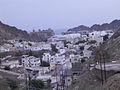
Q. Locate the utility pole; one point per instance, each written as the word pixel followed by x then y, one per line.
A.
pixel 26 82
pixel 56 75
pixel 62 80
pixel 29 76
pixel 102 56
pixel 63 74
pixel 101 68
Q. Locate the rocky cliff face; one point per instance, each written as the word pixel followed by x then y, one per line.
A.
pixel 9 32
pixel 41 35
pixel 114 25
pixel 112 47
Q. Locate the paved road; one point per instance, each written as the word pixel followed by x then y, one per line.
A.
pixel 110 66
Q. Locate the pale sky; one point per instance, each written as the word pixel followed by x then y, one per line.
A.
pixel 57 14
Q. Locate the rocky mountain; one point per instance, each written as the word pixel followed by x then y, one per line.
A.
pixel 114 25
pixel 10 32
pixel 79 28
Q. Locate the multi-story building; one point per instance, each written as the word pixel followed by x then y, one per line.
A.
pixel 30 61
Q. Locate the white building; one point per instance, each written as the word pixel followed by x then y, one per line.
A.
pixel 46 57
pixel 30 61
pixel 41 46
pixel 97 36
pixel 62 51
pixel 87 53
pixel 3 49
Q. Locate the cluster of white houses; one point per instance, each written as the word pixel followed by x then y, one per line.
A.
pixel 73 49
pixel 16 45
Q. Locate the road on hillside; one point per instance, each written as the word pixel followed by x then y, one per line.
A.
pixel 110 66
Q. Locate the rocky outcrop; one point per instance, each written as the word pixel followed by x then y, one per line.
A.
pixel 88 81
pixel 111 47
pixel 114 25
pixel 41 35
pixel 113 83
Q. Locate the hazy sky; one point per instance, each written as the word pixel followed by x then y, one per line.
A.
pixel 57 14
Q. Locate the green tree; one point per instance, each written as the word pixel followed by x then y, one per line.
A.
pixel 66 42
pixel 29 44
pixel 92 42
pixel 106 37
pixel 49 82
pixel 0 62
pixel 44 64
pixel 7 68
pixel 81 41
pixel 54 49
pixel 2 55
pixel 20 40
pixel 81 48
pixel 82 60
pixel 37 84
pixel 30 53
pixel 19 53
